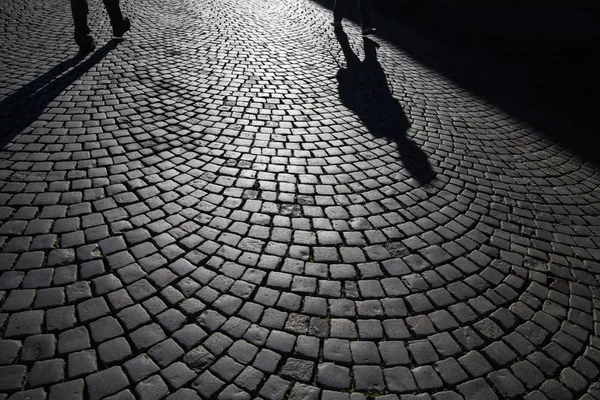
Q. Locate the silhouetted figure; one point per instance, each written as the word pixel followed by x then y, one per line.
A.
pixel 83 37
pixel 339 9
pixel 363 88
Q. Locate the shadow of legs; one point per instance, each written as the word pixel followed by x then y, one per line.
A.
pixel 24 106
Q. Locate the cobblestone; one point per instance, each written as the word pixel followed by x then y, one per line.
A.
pixel 270 208
pixel 107 382
pixel 82 363
pixel 12 377
pixel 140 367
pixel 46 372
pixel 72 390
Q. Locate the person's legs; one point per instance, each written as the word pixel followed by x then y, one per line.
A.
pixel 366 15
pixel 339 8
pixel 119 24
pixel 114 11
pixel 79 9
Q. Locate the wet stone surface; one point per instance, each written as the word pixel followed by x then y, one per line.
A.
pixel 236 202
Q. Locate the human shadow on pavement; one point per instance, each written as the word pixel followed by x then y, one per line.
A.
pixel 25 105
pixel 535 60
pixel 363 88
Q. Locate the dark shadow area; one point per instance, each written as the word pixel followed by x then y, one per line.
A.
pixel 363 88
pixel 537 61
pixel 25 105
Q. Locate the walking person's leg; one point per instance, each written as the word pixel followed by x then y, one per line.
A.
pixel 119 24
pixel 366 17
pixel 339 9
pixel 79 9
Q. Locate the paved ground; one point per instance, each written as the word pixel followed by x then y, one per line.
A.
pixel 236 203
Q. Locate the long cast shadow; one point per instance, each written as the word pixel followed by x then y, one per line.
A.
pixel 25 105
pixel 535 60
pixel 363 88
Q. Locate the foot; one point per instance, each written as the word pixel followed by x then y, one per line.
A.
pixel 124 26
pixel 86 45
pixel 371 43
pixel 369 31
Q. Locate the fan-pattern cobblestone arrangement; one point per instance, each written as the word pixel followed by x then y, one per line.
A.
pixel 217 207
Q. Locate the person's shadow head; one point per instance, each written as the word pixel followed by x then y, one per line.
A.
pixel 363 87
pixel 25 105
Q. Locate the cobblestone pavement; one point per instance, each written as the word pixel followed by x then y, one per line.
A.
pixel 236 203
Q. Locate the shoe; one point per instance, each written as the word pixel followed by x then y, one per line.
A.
pixel 87 44
pixel 369 31
pixel 371 43
pixel 119 31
